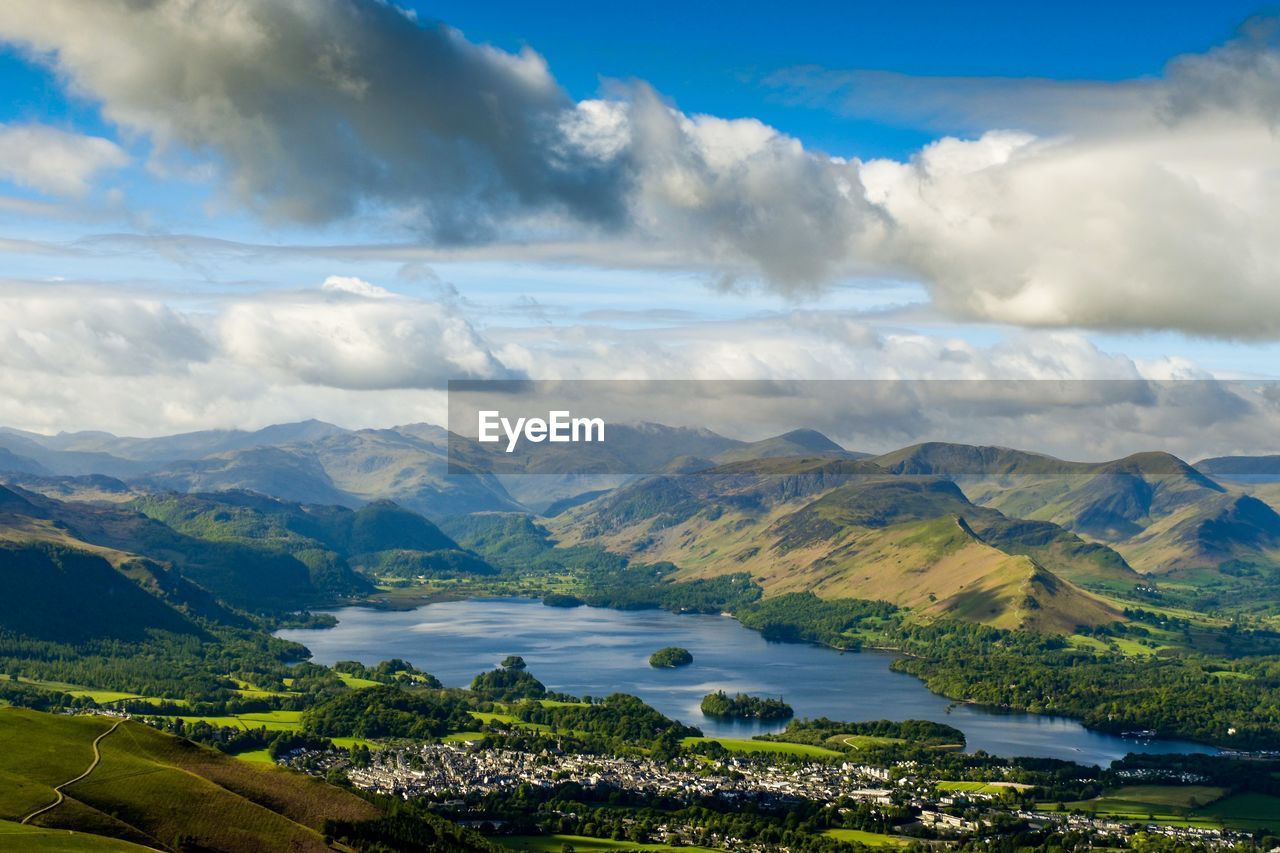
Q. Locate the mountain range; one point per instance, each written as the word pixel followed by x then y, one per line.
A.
pixel 297 515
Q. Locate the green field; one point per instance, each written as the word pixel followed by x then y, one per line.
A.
pixel 357 683
pixel 1246 811
pixel 861 741
pixel 870 839
pixel 144 787
pixel 582 844
pixel 458 737
pixel 979 787
pixel 272 721
pixel 751 745
pixel 1174 805
pixel 99 696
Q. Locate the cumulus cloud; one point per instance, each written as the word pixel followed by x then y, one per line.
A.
pixel 1142 204
pixel 315 110
pixel 355 335
pixel 73 331
pixel 55 161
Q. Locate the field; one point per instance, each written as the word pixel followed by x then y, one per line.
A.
pixel 750 745
pixel 272 721
pixel 1246 811
pixel 1185 805
pixel 582 844
pixel 861 741
pixel 144 786
pixel 99 696
pixel 991 788
pixel 870 839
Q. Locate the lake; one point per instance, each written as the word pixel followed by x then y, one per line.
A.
pixel 595 651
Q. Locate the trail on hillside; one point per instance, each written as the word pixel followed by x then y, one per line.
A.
pixel 97 757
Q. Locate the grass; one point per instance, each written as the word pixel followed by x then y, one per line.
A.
pixel 244 688
pixel 1172 805
pixel 870 839
pixel 39 751
pixel 751 745
pixel 357 683
pixel 151 788
pixel 992 788
pixel 861 741
pixel 257 756
pixel 583 844
pixel 459 737
pixel 348 742
pixel 99 696
pixel 272 721
pixel 37 839
pixel 1246 811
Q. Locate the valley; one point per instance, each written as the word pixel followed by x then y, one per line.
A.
pixel 1043 610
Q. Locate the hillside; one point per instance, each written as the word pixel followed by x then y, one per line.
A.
pixel 334 542
pixel 59 594
pixel 185 569
pixel 847 529
pixel 153 789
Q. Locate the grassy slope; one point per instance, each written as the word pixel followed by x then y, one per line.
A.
pixel 37 839
pixel 828 546
pixel 152 788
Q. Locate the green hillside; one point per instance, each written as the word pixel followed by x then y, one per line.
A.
pixel 158 791
pixel 55 593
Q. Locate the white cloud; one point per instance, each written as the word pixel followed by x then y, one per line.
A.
pixel 1147 205
pixel 354 335
pixel 72 331
pixel 55 161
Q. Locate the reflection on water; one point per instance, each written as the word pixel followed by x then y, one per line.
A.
pixel 593 651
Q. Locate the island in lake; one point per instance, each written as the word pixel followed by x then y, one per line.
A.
pixel 670 658
pixel 744 707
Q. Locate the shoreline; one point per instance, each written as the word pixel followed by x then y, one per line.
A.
pixel 887 651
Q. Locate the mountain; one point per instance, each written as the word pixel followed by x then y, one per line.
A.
pixel 11 462
pixel 185 446
pixel 408 465
pixel 30 447
pixel 333 542
pixel 186 570
pixel 799 442
pixel 281 473
pixel 847 528
pixel 1243 469
pixel 1161 514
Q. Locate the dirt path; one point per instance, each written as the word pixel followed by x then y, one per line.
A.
pixel 97 757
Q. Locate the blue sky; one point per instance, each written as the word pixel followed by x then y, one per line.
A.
pixel 326 208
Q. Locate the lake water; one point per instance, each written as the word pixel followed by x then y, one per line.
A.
pixel 594 651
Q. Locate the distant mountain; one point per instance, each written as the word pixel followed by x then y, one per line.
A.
pixel 847 528
pixel 1244 469
pixel 11 462
pixel 286 474
pixel 1162 514
pixel 1151 512
pixel 185 446
pixel 30 446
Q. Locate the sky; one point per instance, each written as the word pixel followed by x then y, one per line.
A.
pixel 228 213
